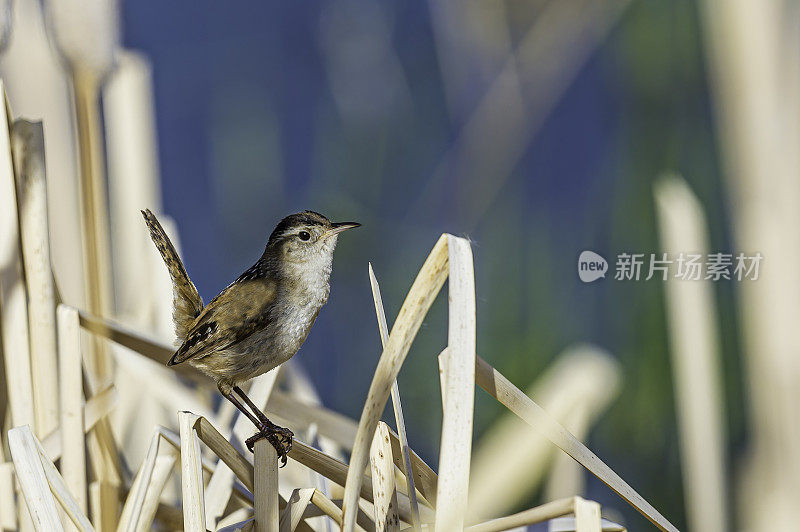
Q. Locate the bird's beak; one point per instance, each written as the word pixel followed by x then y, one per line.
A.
pixel 338 227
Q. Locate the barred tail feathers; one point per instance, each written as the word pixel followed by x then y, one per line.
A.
pixel 186 301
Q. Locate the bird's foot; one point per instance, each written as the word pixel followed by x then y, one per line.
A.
pixel 279 437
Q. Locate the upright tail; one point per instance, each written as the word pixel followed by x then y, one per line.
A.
pixel 186 302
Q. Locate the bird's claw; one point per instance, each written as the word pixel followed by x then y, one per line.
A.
pixel 279 437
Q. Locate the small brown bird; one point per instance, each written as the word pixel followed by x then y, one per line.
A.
pixel 262 318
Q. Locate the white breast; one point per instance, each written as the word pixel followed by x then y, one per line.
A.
pixel 303 307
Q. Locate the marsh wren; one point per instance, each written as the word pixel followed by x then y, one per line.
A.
pixel 262 318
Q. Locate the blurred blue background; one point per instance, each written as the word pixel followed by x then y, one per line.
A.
pixel 404 116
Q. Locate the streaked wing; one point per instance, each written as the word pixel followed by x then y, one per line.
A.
pixel 236 313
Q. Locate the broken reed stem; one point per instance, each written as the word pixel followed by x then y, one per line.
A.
pixel 587 516
pixel 73 452
pixel 265 496
pixel 194 516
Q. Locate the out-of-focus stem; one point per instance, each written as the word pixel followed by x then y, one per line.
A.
pixel 694 351
pixel 97 276
pixel 97 267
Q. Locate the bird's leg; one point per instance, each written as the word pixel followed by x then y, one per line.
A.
pixel 232 398
pixel 249 402
pixel 285 434
pixel 265 429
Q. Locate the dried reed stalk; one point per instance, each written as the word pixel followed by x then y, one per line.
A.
pixel 32 480
pixel 141 343
pixel 327 506
pixel 424 290
pixel 161 472
pixel 8 511
pixel 312 458
pixel 93 210
pixel 595 384
pixel 132 509
pixel 28 147
pixel 426 478
pixel 396 403
pixel 451 257
pixel 334 424
pixel 589 520
pixel 73 453
pixel 265 496
pixel 295 507
pixel 97 277
pixel 32 466
pixel 383 490
pixel 459 380
pixel 582 380
pixel 220 486
pixel 14 317
pixel 421 295
pixel 62 493
pixel 86 34
pixel 96 408
pixel 493 382
pixel 235 520
pixel 587 516
pixel 194 515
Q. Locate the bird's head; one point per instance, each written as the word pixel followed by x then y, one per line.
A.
pixel 306 238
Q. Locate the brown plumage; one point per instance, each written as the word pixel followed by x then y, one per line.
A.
pixel 238 312
pixel 261 319
pixel 186 302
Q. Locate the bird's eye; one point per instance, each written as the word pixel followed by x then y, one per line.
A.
pixel 304 235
